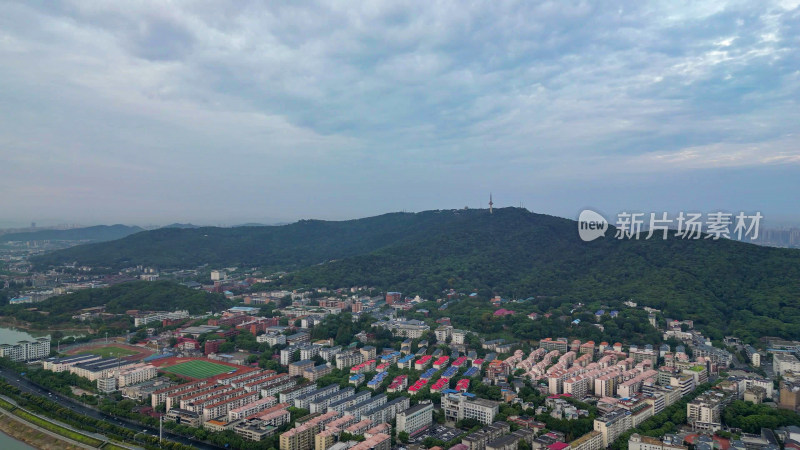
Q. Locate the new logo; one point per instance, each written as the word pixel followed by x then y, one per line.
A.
pixel 591 225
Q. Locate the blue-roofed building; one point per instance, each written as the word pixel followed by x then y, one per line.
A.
pixel 428 374
pixel 390 357
pixel 613 313
pixel 600 312
pixel 406 362
pixel 472 371
pixel 377 380
pixel 357 379
pixel 450 372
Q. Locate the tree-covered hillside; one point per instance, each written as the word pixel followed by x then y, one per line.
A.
pixel 728 285
pixel 141 295
pixel 296 245
pixel 725 286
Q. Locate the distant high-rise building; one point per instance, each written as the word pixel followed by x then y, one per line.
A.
pixel 490 203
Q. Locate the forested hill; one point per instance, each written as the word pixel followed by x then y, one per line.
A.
pixel 737 287
pixel 97 233
pixel 292 246
pixel 729 286
pixel 142 295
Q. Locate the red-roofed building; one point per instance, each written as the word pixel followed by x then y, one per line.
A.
pixel 422 362
pixel 417 386
pixel 441 362
pixel 441 383
pixel 503 312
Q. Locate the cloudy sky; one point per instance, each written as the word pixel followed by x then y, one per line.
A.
pixel 213 112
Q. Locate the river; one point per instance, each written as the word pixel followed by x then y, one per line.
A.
pixel 9 335
pixel 13 335
pixel 9 443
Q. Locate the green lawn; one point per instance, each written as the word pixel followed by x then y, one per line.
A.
pixel 110 446
pixel 198 369
pixel 109 352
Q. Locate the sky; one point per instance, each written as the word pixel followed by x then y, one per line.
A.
pixel 210 112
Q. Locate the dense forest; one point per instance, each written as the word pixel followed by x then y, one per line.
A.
pixel 142 295
pixel 98 233
pixel 296 245
pixel 751 418
pixel 513 253
pixel 520 255
pixel 476 314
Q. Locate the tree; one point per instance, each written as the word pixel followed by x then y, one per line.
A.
pixel 345 436
pixel 138 336
pixel 402 437
pixel 226 347
pixel 468 424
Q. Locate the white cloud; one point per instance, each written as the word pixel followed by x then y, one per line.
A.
pixel 310 91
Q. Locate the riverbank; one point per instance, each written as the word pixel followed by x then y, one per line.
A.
pixel 34 436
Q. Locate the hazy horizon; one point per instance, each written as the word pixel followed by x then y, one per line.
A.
pixel 775 222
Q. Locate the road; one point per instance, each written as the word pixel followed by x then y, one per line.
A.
pixel 24 385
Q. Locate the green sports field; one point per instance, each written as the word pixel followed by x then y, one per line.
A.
pixel 198 369
pixel 109 352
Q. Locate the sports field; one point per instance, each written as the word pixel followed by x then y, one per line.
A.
pixel 198 369
pixel 109 352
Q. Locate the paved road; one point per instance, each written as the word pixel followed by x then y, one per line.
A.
pixel 24 385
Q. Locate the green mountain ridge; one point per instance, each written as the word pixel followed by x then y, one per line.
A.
pixel 723 285
pixel 291 246
pixel 97 233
